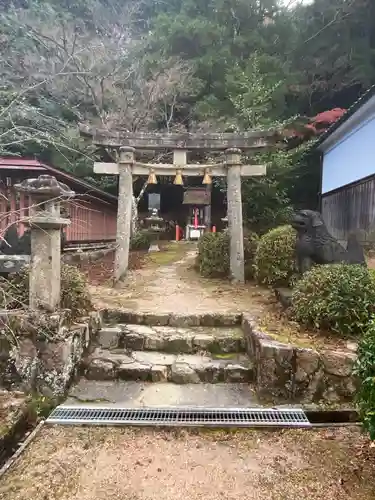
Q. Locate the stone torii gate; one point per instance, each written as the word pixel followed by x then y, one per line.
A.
pixel 231 144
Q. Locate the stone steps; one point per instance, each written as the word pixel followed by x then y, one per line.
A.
pixel 130 394
pixel 148 366
pixel 170 339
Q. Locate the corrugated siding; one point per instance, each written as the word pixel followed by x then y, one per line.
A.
pixel 13 206
pixel 350 209
pixel 90 220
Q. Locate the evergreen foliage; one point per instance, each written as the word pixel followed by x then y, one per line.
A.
pixel 180 66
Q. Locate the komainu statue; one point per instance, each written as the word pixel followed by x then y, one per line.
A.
pixel 315 245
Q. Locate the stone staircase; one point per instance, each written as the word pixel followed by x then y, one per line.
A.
pixel 212 360
pixel 179 355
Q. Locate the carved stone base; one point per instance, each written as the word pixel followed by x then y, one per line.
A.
pixel 284 296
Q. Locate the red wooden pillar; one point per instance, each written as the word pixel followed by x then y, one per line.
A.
pixel 12 205
pixel 3 208
pixel 22 213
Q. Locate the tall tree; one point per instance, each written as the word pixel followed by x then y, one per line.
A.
pixel 86 71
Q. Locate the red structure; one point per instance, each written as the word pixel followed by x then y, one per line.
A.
pixel 93 212
pixel 305 128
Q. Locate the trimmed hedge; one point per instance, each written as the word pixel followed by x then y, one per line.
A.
pixel 275 257
pixel 213 255
pixel 336 297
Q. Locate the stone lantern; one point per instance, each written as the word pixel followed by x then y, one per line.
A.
pixel 46 223
pixel 155 226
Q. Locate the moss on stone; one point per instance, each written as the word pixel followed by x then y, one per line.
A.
pixel 284 338
pixel 168 254
pixel 229 355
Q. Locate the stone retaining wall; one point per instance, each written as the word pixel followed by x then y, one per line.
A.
pixel 42 352
pixel 85 256
pixel 283 371
pixel 299 374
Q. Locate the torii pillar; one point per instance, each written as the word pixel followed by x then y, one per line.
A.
pixel 124 211
pixel 180 144
pixel 235 222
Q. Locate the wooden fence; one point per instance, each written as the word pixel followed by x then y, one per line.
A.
pixel 351 209
pixel 91 219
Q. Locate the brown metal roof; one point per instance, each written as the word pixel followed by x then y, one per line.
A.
pixel 14 163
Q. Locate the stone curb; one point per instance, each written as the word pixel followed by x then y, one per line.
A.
pixel 295 373
pixel 86 256
pixel 113 316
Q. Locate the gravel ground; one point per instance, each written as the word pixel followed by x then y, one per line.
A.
pixel 145 464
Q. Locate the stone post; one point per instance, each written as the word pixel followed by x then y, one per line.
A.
pixel 124 211
pixel 207 208
pixel 235 225
pixel 45 223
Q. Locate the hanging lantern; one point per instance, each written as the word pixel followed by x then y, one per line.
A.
pixel 152 177
pixel 178 179
pixel 207 177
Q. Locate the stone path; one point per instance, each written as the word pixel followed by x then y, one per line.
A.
pixel 161 344
pixel 176 288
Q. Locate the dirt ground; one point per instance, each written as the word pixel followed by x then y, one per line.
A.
pixel 66 463
pixel 168 283
pixel 100 272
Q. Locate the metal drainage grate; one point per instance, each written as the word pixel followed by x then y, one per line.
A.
pixel 198 417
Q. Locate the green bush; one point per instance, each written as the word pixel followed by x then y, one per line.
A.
pixel 365 371
pixel 140 241
pixel 14 291
pixel 250 243
pixel 74 291
pixel 213 255
pixel 336 297
pixel 275 257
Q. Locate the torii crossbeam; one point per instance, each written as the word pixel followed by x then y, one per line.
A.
pixel 231 144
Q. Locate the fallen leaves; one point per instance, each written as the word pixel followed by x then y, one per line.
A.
pixel 100 272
